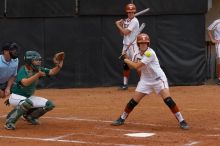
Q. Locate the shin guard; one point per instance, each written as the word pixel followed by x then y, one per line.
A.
pixel 19 110
pixel 38 112
pixel 171 104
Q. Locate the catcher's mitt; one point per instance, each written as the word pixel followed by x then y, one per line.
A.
pixel 58 57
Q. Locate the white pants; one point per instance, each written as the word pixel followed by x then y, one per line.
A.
pixel 150 86
pixel 217 46
pixel 15 99
pixel 131 51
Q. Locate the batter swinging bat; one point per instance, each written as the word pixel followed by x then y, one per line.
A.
pixel 136 34
pixel 141 12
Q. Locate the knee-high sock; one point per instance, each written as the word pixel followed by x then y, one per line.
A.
pixel 126 74
pixel 173 107
pixel 128 108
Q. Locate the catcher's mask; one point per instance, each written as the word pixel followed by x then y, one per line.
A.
pixel 12 48
pixel 143 38
pixel 31 56
pixel 130 8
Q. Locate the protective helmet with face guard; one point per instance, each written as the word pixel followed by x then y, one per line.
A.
pixel 30 56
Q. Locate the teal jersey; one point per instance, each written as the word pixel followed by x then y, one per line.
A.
pixel 29 90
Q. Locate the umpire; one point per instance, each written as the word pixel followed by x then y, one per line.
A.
pixel 8 67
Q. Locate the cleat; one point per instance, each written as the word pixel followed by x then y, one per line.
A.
pixel 9 126
pixel 31 120
pixel 184 125
pixel 118 122
pixel 123 87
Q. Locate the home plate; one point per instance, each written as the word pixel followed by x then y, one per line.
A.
pixel 140 134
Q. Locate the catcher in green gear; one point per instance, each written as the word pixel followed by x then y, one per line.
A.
pixel 22 98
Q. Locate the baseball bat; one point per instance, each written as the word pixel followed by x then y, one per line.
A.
pixel 136 34
pixel 140 29
pixel 141 12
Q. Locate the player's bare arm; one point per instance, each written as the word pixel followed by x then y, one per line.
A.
pixel 9 85
pixel 213 40
pixel 135 65
pixel 56 69
pixel 30 80
pixel 124 31
pixel 121 24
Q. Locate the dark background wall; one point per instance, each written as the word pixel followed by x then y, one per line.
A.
pixel 2 6
pixel 85 31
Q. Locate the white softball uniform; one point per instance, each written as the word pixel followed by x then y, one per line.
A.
pixel 152 76
pixel 137 57
pixel 133 26
pixel 215 26
pixel 15 99
pixel 131 51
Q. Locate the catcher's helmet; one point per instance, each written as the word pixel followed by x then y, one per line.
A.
pixel 30 56
pixel 143 38
pixel 12 47
pixel 130 8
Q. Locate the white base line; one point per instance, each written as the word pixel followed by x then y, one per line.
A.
pixel 213 135
pixel 194 109
pixel 191 143
pixel 115 129
pixel 41 139
pixel 58 139
pixel 62 140
pixel 103 121
pixel 84 134
pixel 62 136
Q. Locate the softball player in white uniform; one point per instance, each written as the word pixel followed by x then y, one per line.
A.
pixel 128 28
pixel 152 76
pixel 152 79
pixel 214 35
pixel 129 47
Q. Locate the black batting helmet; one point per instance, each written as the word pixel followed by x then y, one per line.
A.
pixel 12 47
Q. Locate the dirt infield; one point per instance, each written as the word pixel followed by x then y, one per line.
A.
pixel 83 117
